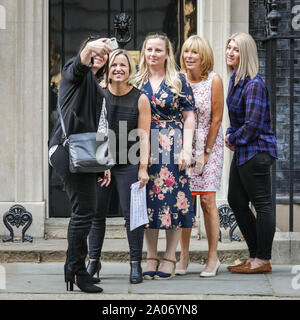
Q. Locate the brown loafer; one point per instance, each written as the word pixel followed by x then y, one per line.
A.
pixel 246 269
pixel 237 265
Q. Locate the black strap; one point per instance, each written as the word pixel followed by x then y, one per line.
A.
pixel 65 137
pixel 62 122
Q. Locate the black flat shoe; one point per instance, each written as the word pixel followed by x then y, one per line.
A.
pixel 94 267
pixel 136 274
pixel 82 280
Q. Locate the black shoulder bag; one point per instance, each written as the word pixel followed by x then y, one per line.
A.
pixel 89 151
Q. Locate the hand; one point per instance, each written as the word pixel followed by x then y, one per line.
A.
pixel 103 84
pixel 143 177
pixel 227 143
pixel 184 160
pixel 98 47
pixel 106 180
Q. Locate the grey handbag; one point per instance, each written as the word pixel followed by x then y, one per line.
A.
pixel 89 151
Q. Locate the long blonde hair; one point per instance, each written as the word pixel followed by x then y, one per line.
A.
pixel 203 48
pixel 248 65
pixel 172 78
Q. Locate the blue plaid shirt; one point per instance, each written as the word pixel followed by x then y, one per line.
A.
pixel 250 120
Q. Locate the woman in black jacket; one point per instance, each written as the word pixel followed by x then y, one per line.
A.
pixel 80 98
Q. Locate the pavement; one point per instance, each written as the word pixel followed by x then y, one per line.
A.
pixel 34 271
pixel 44 281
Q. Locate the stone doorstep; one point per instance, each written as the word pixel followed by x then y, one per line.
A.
pixel 56 228
pixel 54 250
pixel 286 250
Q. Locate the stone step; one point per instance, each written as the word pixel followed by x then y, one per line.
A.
pixel 56 228
pixel 54 250
pixel 286 250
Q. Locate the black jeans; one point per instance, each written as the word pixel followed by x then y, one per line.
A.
pixel 123 176
pixel 251 182
pixel 81 189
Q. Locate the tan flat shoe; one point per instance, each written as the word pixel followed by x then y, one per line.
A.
pixel 237 265
pixel 246 269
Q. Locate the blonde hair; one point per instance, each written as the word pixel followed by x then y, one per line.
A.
pixel 132 68
pixel 248 65
pixel 172 78
pixel 203 48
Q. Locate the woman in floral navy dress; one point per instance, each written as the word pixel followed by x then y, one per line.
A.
pixel 169 198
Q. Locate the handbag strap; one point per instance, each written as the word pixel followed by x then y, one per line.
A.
pixel 62 122
pixel 102 126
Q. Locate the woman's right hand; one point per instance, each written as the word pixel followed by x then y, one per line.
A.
pixel 143 177
pixel 98 47
pixel 227 143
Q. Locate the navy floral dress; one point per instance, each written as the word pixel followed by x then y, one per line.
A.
pixel 169 199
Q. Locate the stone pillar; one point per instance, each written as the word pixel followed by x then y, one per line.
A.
pixel 22 111
pixel 217 20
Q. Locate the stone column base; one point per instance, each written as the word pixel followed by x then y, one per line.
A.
pixel 37 228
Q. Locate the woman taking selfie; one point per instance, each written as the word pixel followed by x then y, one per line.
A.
pixel 80 100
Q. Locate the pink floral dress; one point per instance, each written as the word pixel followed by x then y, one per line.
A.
pixel 210 179
pixel 169 199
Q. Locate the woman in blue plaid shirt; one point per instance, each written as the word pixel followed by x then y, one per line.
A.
pixel 251 138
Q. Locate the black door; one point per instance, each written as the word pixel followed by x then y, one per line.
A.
pixel 71 21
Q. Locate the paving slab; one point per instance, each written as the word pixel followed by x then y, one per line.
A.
pixel 44 281
pixel 284 282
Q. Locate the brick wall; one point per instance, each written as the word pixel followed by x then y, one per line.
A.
pixel 256 28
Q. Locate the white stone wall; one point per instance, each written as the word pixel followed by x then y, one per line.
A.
pixel 22 111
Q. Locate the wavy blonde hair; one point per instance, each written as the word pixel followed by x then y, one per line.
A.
pixel 172 78
pixel 132 68
pixel 203 48
pixel 248 65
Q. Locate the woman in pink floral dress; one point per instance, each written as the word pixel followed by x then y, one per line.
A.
pixel 169 198
pixel 197 63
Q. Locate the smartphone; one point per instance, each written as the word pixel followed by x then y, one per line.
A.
pixel 112 43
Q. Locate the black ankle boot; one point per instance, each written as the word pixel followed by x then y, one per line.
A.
pixel 82 280
pixel 89 278
pixel 94 267
pixel 136 274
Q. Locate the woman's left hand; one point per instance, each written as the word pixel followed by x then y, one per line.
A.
pixel 184 160
pixel 143 177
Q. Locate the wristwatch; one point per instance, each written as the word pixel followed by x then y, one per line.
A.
pixel 207 150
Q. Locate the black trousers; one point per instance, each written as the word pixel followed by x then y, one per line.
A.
pixel 251 182
pixel 81 189
pixel 122 176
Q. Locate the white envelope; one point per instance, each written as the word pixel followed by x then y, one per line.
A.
pixel 138 206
